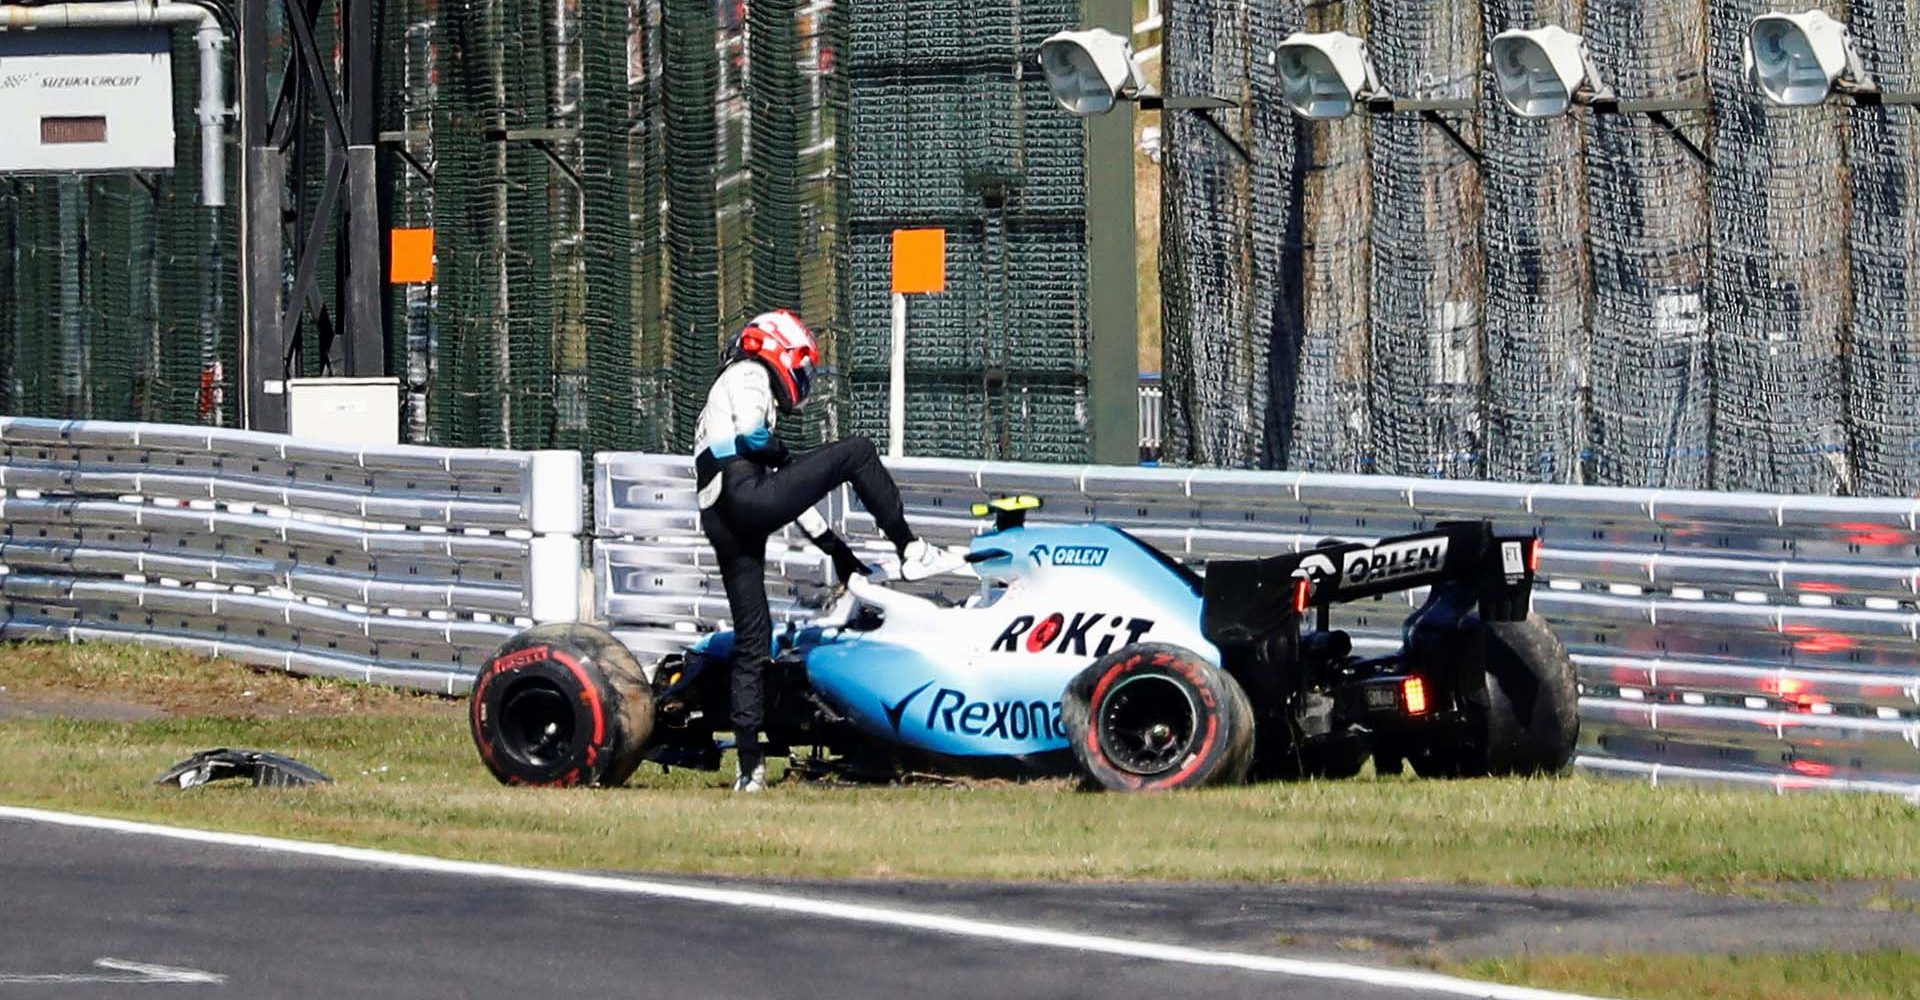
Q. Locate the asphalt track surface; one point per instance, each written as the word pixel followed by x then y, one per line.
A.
pixel 289 926
pixel 107 912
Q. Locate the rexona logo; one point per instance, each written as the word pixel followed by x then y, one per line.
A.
pixel 1088 633
pixel 1069 555
pixel 1391 562
pixel 952 711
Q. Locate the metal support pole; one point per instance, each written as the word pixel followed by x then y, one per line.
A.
pixel 263 344
pixel 1113 361
pixel 366 353
pixel 1453 135
pixel 1666 124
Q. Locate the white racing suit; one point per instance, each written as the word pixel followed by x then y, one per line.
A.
pixel 750 487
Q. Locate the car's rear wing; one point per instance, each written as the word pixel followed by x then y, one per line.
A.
pixel 1246 599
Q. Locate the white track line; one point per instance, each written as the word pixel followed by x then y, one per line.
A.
pixel 1038 937
pixel 120 971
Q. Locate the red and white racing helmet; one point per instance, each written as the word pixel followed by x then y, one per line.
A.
pixel 784 344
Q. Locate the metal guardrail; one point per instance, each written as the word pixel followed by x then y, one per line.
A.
pixel 400 565
pixel 1742 637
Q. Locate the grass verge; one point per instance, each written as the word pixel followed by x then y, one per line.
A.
pixel 408 779
pixel 1822 975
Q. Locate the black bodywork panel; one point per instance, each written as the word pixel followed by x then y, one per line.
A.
pixel 1256 611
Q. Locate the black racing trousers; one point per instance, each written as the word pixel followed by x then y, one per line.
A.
pixel 756 501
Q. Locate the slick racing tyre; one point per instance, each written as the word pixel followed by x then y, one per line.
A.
pixel 1153 716
pixel 1533 699
pixel 561 705
pixel 1527 722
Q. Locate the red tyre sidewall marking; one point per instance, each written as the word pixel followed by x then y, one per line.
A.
pixel 1197 681
pixel 592 697
pixel 1093 720
pixel 523 658
pixel 505 664
pixel 1194 678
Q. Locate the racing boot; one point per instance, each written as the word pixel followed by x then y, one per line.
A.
pixel 753 766
pixel 919 561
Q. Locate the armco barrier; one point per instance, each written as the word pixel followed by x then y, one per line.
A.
pixel 399 565
pixel 1740 637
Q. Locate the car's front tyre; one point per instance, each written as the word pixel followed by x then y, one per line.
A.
pixel 561 705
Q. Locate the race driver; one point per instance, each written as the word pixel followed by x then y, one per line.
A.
pixel 750 486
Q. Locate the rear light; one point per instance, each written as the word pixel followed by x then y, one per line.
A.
pixel 1302 593
pixel 1533 557
pixel 1413 694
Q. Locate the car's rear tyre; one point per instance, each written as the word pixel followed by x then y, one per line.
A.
pixel 1154 716
pixel 1527 721
pixel 561 704
pixel 1533 700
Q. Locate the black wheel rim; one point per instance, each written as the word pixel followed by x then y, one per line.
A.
pixel 536 722
pixel 1148 724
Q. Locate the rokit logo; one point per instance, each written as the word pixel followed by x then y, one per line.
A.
pixel 1088 633
pixel 1391 562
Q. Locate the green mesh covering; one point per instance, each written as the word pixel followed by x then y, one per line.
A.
pixel 407 103
pixel 652 375
pixel 466 393
pixel 948 131
pixel 10 292
pixel 691 78
pixel 608 242
pixel 36 371
pixel 113 340
pixel 614 186
pixel 530 197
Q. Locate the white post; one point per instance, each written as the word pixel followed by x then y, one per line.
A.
pixel 897 382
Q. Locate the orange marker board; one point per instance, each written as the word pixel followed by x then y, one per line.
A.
pixel 412 256
pixel 919 261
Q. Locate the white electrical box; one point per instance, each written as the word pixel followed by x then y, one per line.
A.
pixel 92 100
pixel 345 410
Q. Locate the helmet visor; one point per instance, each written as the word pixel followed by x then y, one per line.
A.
pixel 802 380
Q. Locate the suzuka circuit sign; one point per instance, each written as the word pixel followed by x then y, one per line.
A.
pixel 92 100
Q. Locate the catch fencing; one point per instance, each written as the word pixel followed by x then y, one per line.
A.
pixel 1738 637
pixel 402 566
pixel 1587 305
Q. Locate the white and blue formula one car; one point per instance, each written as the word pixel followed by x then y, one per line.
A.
pixel 1086 652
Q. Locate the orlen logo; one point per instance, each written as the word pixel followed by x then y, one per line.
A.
pixel 1391 562
pixel 1069 555
pixel 1057 633
pixel 1079 555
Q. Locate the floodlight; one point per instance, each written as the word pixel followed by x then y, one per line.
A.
pixel 1324 74
pixel 1541 71
pixel 1089 70
pixel 1798 59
